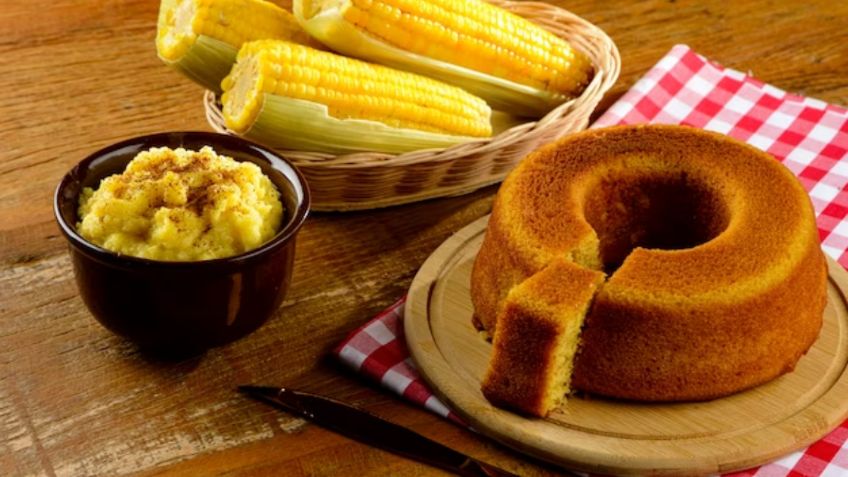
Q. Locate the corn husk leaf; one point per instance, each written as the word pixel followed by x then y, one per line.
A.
pixel 295 124
pixel 330 28
pixel 206 62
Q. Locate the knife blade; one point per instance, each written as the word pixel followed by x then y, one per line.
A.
pixel 370 429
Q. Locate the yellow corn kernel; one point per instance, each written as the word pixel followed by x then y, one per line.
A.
pixel 478 36
pixel 349 88
pixel 230 21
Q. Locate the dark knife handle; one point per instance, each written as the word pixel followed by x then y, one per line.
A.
pixel 370 429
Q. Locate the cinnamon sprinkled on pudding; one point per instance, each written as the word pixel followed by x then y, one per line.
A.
pixel 181 205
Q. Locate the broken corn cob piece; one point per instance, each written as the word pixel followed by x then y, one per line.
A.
pixel 291 96
pixel 201 38
pixel 512 63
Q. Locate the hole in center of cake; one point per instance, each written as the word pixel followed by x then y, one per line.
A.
pixel 652 209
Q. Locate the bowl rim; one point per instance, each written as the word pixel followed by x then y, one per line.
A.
pixel 281 238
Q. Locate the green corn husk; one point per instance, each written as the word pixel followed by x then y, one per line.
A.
pixel 206 62
pixel 294 124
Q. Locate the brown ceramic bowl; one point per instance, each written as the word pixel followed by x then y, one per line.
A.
pixel 183 307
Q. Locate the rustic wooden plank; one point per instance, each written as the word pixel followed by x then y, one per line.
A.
pixel 75 400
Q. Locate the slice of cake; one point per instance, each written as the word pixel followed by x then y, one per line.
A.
pixel 537 337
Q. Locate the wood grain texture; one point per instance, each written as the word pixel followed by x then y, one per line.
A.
pixel 617 437
pixel 75 400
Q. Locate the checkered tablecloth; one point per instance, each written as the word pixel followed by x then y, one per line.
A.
pixel 809 136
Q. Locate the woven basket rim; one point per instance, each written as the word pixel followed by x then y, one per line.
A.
pixel 607 67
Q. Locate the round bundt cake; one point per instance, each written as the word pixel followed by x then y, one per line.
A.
pixel 712 277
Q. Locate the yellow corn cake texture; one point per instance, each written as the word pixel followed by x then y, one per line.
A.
pixel 537 338
pixel 717 282
pixel 181 205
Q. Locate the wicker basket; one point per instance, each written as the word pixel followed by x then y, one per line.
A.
pixel 371 180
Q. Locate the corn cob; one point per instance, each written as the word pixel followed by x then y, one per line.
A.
pixel 512 63
pixel 294 97
pixel 201 38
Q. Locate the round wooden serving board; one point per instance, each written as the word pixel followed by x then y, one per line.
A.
pixel 607 436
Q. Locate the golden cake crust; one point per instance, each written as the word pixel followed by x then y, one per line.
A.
pixel 717 279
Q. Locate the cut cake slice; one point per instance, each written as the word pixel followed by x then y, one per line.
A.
pixel 537 337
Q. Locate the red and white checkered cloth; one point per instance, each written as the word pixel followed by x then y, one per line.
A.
pixel 809 136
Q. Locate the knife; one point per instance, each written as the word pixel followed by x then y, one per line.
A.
pixel 364 427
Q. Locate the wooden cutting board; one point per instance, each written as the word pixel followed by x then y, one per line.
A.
pixel 607 436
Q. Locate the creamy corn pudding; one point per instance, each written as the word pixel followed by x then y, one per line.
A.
pixel 181 205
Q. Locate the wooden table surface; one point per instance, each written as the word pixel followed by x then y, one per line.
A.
pixel 76 400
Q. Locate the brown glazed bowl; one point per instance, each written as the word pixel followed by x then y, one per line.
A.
pixel 183 307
